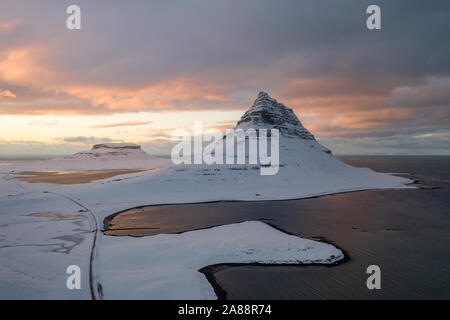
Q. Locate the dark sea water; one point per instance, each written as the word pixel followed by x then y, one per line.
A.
pixel 405 232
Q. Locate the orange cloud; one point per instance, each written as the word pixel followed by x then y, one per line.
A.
pixel 26 66
pixel 163 95
pixel 121 124
pixel 4 27
pixel 331 115
pixel 371 119
pixel 223 125
pixel 159 134
pixel 31 67
pixel 329 104
pixel 7 94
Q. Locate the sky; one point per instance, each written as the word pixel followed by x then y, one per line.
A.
pixel 137 70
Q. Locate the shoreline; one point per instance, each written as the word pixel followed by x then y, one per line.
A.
pixel 106 221
pixel 210 270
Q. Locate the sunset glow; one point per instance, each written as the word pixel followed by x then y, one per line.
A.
pixel 135 81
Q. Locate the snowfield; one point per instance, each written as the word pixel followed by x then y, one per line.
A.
pixel 166 266
pixel 163 266
pixel 35 251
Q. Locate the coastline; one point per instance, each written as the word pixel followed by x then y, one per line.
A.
pixel 166 266
pixel 139 186
pixel 106 220
pixel 210 270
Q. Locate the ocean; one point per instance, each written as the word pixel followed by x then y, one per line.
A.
pixel 11 159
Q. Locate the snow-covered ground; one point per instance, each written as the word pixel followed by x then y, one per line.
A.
pixel 166 266
pixel 306 169
pixel 35 251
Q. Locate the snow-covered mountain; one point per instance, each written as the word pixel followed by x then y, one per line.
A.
pixel 306 169
pixel 103 156
pixel 111 151
pixel 296 142
pixel 298 149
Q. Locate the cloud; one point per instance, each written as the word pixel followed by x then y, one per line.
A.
pixel 160 135
pixel 17 141
pixel 316 57
pixel 433 144
pixel 178 93
pixel 14 33
pixel 43 123
pixel 7 26
pixel 23 147
pixel 7 94
pixel 88 140
pixel 223 125
pixel 122 124
pixel 212 57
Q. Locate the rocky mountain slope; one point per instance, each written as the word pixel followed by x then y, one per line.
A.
pixel 268 113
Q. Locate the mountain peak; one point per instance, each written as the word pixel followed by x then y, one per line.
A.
pixel 268 113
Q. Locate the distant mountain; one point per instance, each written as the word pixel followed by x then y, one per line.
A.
pixel 111 151
pixel 103 156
